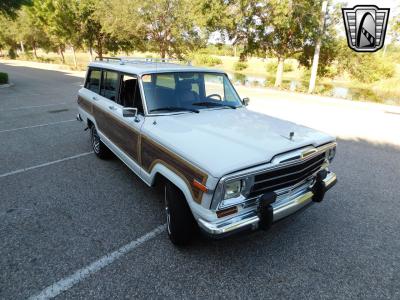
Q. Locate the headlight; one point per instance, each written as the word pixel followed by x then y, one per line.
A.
pixel 233 189
pixel 331 153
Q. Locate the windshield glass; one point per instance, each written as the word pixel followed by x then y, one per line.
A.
pixel 188 91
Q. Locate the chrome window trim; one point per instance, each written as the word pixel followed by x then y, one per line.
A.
pixel 279 161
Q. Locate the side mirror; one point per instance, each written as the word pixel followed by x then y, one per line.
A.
pixel 129 112
pixel 246 101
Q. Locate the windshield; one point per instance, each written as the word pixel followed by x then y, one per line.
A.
pixel 188 91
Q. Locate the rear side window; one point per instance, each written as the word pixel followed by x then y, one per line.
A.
pixel 109 86
pixel 93 80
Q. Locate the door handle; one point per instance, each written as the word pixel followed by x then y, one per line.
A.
pixel 95 98
pixel 112 107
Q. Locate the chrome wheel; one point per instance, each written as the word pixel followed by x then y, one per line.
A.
pixel 95 140
pixel 167 213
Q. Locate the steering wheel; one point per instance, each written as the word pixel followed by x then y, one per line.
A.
pixel 214 95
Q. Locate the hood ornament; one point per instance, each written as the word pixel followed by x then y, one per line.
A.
pixel 291 135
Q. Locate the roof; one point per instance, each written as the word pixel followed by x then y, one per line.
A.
pixel 141 66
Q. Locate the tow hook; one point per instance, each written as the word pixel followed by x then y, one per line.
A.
pixel 319 188
pixel 266 211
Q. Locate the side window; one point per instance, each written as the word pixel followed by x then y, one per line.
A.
pixel 130 93
pixel 109 85
pixel 214 87
pixel 93 80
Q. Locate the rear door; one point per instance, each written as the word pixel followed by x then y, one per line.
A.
pixel 89 95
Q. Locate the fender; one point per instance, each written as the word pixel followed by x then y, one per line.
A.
pixel 180 182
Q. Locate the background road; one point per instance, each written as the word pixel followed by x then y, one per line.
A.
pixel 58 218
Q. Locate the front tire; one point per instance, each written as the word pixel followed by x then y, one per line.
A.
pixel 98 146
pixel 181 226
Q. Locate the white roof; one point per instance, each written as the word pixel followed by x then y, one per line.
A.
pixel 147 67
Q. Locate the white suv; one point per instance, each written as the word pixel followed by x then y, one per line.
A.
pixel 224 168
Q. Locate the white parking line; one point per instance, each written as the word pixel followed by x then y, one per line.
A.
pixel 66 283
pixel 33 106
pixel 35 126
pixel 44 165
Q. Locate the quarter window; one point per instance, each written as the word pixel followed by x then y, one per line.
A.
pixel 93 80
pixel 109 86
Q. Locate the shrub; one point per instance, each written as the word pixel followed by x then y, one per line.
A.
pixel 206 60
pixel 367 67
pixel 273 66
pixel 240 65
pixel 12 54
pixel 3 78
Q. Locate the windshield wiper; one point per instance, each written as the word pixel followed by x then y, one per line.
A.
pixel 213 104
pixel 175 108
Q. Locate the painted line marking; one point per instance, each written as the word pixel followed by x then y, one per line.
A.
pixel 44 165
pixel 33 106
pixel 68 282
pixel 36 126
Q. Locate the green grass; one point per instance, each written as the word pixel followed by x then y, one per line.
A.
pixel 3 78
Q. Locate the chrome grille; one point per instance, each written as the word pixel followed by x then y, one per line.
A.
pixel 286 176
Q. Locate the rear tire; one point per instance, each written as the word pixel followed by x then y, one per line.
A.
pixel 181 226
pixel 98 146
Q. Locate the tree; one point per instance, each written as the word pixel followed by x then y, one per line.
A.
pixel 169 27
pixel 30 31
pixel 9 7
pixel 8 35
pixel 91 28
pixel 233 19
pixel 327 39
pixel 320 35
pixel 284 28
pixel 280 28
pixel 64 21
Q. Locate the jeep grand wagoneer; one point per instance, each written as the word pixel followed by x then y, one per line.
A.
pixel 224 168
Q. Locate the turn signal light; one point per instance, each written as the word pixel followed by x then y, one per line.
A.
pixel 227 212
pixel 199 186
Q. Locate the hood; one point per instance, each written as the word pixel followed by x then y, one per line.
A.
pixel 223 141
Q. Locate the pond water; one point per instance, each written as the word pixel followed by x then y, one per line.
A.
pixel 331 90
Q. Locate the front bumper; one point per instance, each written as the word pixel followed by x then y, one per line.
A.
pixel 282 207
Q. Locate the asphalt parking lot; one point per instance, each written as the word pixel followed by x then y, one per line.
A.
pixel 63 212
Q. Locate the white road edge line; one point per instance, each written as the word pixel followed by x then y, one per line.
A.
pixel 35 126
pixel 66 283
pixel 33 106
pixel 44 165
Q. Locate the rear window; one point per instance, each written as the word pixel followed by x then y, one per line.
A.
pixel 109 86
pixel 93 80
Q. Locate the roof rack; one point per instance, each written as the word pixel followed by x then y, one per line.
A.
pixel 141 60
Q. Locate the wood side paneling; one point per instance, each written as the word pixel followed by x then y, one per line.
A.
pixel 152 153
pixel 122 135
pixel 85 105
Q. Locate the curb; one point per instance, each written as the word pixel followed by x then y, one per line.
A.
pixel 3 86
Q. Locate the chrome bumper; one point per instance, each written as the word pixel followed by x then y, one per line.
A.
pixel 282 207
